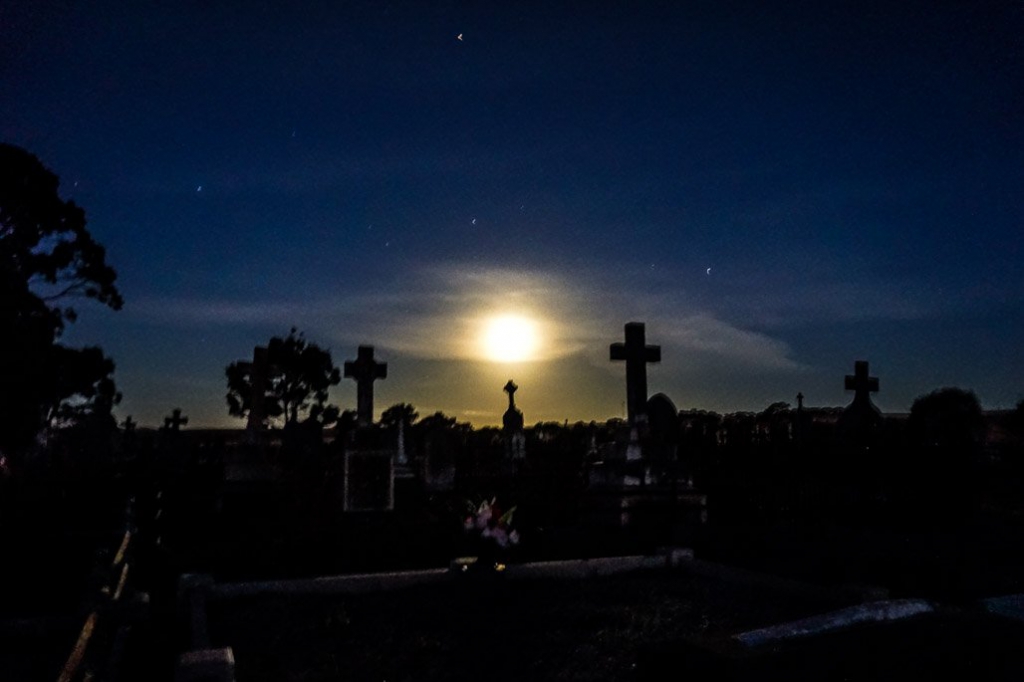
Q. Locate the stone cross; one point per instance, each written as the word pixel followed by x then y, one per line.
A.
pixel 860 382
pixel 175 421
pixel 129 424
pixel 258 369
pixel 636 354
pixel 511 389
pixel 364 369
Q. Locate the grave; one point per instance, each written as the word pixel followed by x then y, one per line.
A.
pixel 637 354
pixel 637 483
pixel 369 481
pixel 512 427
pixel 248 471
pixel 258 371
pixel 438 461
pixel 861 422
pixel 365 370
pixel 174 423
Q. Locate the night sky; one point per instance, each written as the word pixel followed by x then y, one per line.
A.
pixel 775 191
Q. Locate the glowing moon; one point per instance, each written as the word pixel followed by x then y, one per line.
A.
pixel 510 338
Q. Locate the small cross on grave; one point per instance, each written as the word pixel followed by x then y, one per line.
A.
pixel 512 425
pixel 861 383
pixel 175 421
pixel 511 389
pixel 365 370
pixel 636 354
pixel 128 424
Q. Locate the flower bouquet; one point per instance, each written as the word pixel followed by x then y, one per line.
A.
pixel 491 532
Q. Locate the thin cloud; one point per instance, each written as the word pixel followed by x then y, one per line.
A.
pixel 440 312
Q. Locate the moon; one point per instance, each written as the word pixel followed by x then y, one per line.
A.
pixel 510 338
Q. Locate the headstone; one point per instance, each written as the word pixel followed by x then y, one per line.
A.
pixel 661 445
pixel 512 426
pixel 663 421
pixel 175 421
pixel 369 480
pixel 862 384
pixel 636 354
pixel 861 422
pixel 365 370
pixel 400 457
pixel 633 450
pixel 438 462
pixel 258 370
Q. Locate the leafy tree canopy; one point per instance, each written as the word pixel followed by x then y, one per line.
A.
pixel 47 258
pixel 947 417
pixel 438 421
pixel 399 413
pixel 298 378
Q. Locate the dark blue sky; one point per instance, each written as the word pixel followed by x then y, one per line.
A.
pixel 851 174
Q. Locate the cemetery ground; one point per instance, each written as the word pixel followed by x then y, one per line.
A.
pixel 613 627
pixel 547 629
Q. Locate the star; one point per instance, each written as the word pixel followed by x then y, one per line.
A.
pixel 474 221
pixel 459 36
pixel 199 188
pixel 709 271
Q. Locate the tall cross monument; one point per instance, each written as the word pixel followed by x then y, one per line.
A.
pixel 636 354
pixel 862 384
pixel 365 370
pixel 512 425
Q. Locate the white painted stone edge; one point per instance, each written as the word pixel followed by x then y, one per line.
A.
pixel 878 611
pixel 1009 606
pixel 376 582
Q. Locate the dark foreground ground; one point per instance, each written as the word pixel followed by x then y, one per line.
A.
pixel 646 625
pixel 590 629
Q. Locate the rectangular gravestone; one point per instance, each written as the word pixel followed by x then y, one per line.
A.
pixel 369 480
pixel 439 465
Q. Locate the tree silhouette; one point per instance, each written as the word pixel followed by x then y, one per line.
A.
pixel 47 258
pixel 946 418
pixel 299 377
pixel 399 413
pixel 438 421
pixel 946 428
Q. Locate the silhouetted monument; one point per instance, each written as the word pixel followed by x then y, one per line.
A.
pixel 365 370
pixel 663 420
pixel 369 480
pixel 401 458
pixel 175 421
pixel 512 423
pixel 258 370
pixel 862 384
pixel 636 354
pixel 861 421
